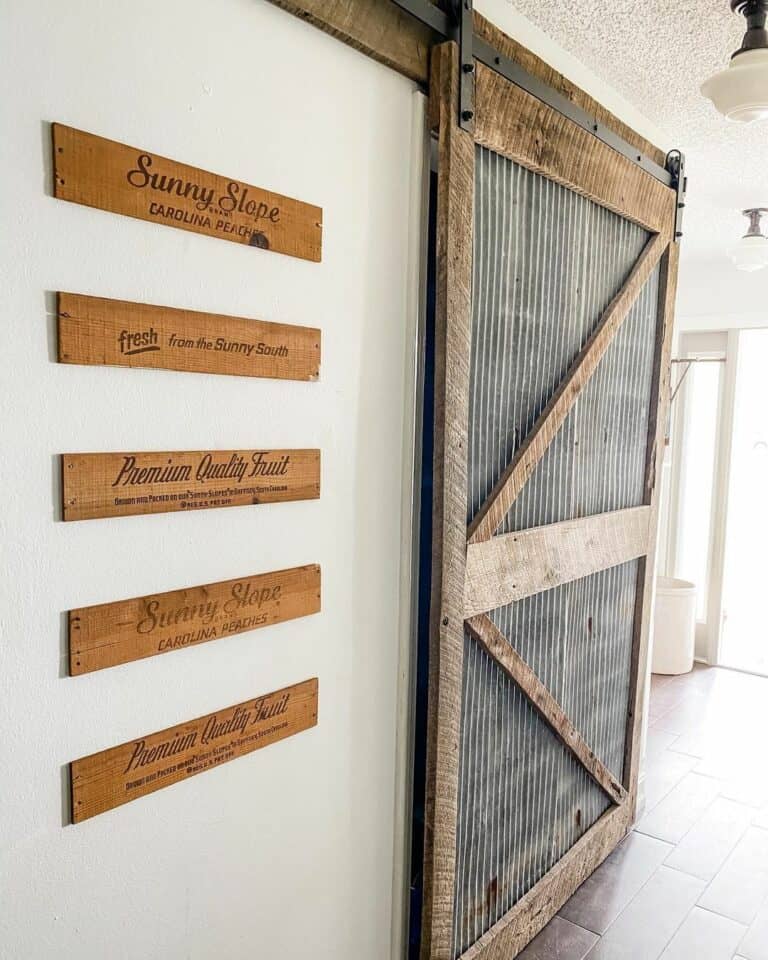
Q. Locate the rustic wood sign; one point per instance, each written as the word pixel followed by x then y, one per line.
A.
pixel 112 777
pixel 94 330
pixel 123 484
pixel 112 176
pixel 112 633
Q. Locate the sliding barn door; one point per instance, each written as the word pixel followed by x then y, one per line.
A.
pixel 555 286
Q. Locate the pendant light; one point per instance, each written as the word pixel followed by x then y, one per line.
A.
pixel 741 90
pixel 751 252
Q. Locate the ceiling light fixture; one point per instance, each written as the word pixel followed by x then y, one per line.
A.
pixel 751 252
pixel 741 90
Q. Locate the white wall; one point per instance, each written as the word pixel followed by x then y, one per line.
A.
pixel 286 852
pixel 714 295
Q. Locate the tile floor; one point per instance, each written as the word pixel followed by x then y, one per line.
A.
pixel 691 881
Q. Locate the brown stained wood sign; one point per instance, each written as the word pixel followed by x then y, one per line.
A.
pixel 137 183
pixel 112 633
pixel 99 485
pixel 98 331
pixel 116 776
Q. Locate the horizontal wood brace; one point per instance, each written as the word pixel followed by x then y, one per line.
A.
pixel 496 645
pixel 511 566
pixel 518 125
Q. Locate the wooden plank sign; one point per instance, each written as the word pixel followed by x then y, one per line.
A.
pixel 113 633
pixel 112 176
pixel 124 484
pixel 97 331
pixel 112 777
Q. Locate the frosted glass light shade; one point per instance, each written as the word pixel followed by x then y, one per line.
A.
pixel 741 90
pixel 750 253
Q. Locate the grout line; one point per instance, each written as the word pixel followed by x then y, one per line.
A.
pixel 676 931
pixel 579 926
pixel 694 907
pixel 661 800
pixel 749 927
pixel 677 928
pixel 684 753
pixel 653 836
pixel 723 916
pixel 673 706
pixel 633 898
pixel 709 884
pixel 688 695
pixel 660 730
pixel 587 929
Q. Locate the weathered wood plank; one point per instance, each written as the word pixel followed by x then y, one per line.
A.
pixel 511 566
pixel 382 31
pixel 515 124
pixel 522 465
pixel 507 937
pixel 134 182
pixel 485 631
pixel 659 410
pixel 95 330
pixel 539 68
pixel 98 485
pixel 120 774
pixel 108 634
pixel 455 197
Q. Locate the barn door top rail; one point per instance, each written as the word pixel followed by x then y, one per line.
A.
pixel 458 26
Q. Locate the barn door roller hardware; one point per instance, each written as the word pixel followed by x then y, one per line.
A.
pixel 676 166
pixel 457 25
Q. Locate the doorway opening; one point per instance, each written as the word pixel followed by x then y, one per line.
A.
pixel 744 635
pixel 718 524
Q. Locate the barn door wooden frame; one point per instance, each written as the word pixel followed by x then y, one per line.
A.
pixel 475 570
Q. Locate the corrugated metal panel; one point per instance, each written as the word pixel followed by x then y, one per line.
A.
pixel 547 263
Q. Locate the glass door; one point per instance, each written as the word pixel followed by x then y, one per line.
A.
pixel 744 638
pixel 698 434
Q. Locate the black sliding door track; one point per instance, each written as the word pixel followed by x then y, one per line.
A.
pixel 458 26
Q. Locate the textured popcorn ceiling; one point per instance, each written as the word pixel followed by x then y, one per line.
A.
pixel 657 54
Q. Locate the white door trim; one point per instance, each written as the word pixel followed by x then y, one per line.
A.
pixel 409 527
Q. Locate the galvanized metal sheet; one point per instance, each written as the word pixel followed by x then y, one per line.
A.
pixel 547 263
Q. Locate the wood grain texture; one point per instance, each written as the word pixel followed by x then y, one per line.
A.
pixel 489 517
pixel 538 68
pixel 453 311
pixel 515 124
pixel 98 485
pixel 380 30
pixel 646 577
pixel 132 181
pixel 511 566
pixel 125 630
pixel 507 937
pixel 487 634
pixel 116 776
pixel 98 331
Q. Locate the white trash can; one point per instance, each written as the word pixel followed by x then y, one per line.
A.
pixel 674 626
